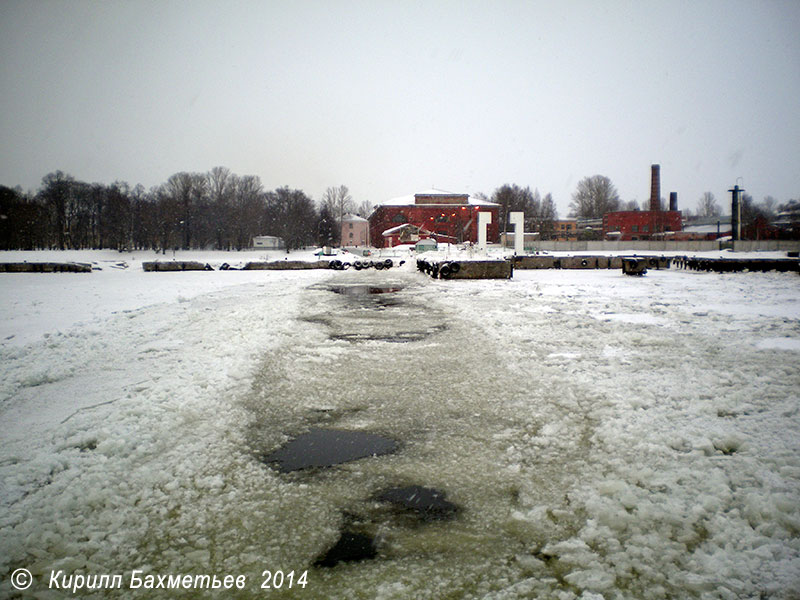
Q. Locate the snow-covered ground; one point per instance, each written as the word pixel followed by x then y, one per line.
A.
pixel 605 436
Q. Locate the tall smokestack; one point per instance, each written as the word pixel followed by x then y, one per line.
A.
pixel 673 200
pixel 655 188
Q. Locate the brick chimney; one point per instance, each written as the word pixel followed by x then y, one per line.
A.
pixel 655 188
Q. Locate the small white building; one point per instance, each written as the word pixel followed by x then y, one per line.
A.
pixel 268 242
pixel 355 231
pixel 425 245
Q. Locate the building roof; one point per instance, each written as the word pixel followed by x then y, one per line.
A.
pixel 710 220
pixel 354 218
pixel 723 227
pixel 721 223
pixel 398 228
pixel 409 200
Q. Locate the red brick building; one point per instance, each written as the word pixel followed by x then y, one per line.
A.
pixel 629 225
pixel 653 224
pixel 444 216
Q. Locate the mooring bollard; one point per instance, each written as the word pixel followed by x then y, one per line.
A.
pixel 634 266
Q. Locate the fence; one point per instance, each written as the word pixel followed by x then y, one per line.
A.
pixel 667 247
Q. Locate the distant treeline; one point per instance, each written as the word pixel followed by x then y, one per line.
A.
pixel 218 209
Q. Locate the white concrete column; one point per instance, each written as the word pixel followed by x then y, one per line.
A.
pixel 518 221
pixel 484 218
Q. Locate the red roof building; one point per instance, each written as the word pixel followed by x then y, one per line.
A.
pixel 443 216
pixel 629 225
pixel 653 224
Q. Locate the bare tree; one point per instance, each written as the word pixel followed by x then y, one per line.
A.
pixel 188 192
pixel 24 223
pixel 594 197
pixel 364 209
pixel 292 215
pixel 513 198
pixel 248 209
pixel 769 204
pixel 707 206
pixel 118 220
pixel 55 193
pixel 221 183
pixel 339 202
pixel 631 205
pixel 548 215
pixel 755 218
pixel 144 206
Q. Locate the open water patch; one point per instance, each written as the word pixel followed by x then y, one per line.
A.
pixel 329 447
pixel 375 312
pixel 395 337
pixel 428 504
pixel 362 290
pixel 371 296
pixel 351 546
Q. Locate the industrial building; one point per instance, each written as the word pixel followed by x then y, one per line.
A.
pixel 435 214
pixel 650 224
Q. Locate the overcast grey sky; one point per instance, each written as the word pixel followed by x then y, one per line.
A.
pixel 393 97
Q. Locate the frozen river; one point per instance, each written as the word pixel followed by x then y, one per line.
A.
pixel 597 436
pixel 381 354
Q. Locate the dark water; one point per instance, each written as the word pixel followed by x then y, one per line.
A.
pixel 328 447
pixel 428 503
pixel 364 318
pixel 360 290
pixel 350 547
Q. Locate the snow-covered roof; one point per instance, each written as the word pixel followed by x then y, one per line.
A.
pixel 409 200
pixel 708 228
pixel 352 217
pixel 398 228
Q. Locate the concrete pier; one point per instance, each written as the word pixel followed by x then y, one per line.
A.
pixel 45 267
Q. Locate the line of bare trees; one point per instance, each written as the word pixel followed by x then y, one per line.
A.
pixel 217 209
pixel 540 212
pixel 222 210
